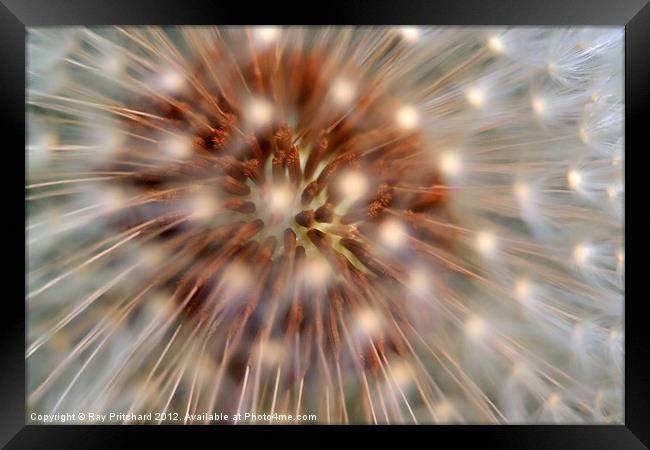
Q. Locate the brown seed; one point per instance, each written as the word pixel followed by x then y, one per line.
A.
pixel 310 191
pixel 252 170
pixel 305 218
pixel 289 240
pixel 266 250
pixel 236 204
pixel 218 139
pixel 278 164
pixel 248 231
pixel 375 208
pixel 325 214
pixel 384 194
pixel 321 240
pixel 233 186
pixel 293 165
pixel 231 166
pixel 363 254
pixel 315 155
pixel 283 138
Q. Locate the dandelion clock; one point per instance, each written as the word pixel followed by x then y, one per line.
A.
pixel 332 225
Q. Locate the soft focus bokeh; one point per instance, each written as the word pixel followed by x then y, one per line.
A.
pixel 325 225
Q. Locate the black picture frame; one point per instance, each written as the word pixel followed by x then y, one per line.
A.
pixel 16 15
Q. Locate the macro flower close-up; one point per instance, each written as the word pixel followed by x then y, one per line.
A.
pixel 332 225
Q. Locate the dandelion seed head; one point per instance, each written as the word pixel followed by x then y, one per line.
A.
pixel 450 163
pixel 368 322
pixel 475 97
pixel 343 92
pixel 538 106
pixel 583 134
pixel 259 112
pixel 41 149
pixel 46 142
pixel 203 205
pixel 281 198
pixel 475 327
pixel 410 34
pixel 553 400
pixel 152 256
pixel 326 220
pixel 578 331
pixel 523 290
pixel 582 253
pixel 317 272
pixel 110 141
pixel 353 185
pixel 620 256
pixel 407 117
pixel 486 243
pixel 113 64
pixel 443 411
pixel 401 374
pixel 178 146
pixel 495 44
pixel 392 233
pixel 522 191
pixel 419 281
pixel 612 192
pixel 271 353
pixel 172 81
pixel 517 369
pixel 238 278
pixel 159 303
pixel 266 35
pixel 114 199
pixel 574 178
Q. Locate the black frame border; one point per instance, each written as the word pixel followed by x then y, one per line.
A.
pixel 16 15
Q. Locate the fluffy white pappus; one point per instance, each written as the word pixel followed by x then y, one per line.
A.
pixel 266 35
pixel 42 140
pixel 570 57
pixel 375 225
pixel 47 51
pixel 558 106
pixel 601 126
